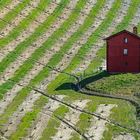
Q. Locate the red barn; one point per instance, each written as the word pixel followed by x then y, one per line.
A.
pixel 123 52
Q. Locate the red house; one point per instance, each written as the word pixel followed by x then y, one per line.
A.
pixel 123 52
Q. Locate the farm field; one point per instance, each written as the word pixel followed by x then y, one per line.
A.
pixel 50 55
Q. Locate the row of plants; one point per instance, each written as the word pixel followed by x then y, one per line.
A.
pixel 4 3
pixel 29 63
pixel 23 25
pixel 12 56
pixel 13 13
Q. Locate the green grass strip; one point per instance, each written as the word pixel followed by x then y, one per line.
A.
pixel 12 56
pixel 28 118
pixel 130 14
pixel 13 13
pixel 24 23
pixel 4 3
pixel 54 123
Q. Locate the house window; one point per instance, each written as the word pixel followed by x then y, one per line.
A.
pixel 125 40
pixel 125 51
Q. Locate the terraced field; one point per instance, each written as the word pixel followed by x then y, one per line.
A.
pixel 47 47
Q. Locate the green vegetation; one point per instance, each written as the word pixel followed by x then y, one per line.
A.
pixel 13 13
pixel 4 3
pixel 125 84
pixel 54 123
pixel 30 62
pixel 24 23
pixel 28 118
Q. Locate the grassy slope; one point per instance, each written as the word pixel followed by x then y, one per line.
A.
pixel 13 13
pixel 24 23
pixel 22 71
pixel 125 84
pixel 24 92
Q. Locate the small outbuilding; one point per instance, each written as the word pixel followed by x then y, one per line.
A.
pixel 123 52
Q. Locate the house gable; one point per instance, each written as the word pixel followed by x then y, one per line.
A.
pixel 123 32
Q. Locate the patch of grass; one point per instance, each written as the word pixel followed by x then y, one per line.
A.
pixel 124 84
pixel 54 123
pixel 112 131
pixel 13 13
pixel 22 71
pixel 24 23
pixel 28 118
pixel 12 56
pixel 4 3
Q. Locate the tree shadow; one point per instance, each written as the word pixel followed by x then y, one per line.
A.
pixel 84 82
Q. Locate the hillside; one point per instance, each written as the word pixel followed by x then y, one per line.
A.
pixel 47 47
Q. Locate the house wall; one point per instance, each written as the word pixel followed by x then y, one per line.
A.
pixel 116 60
